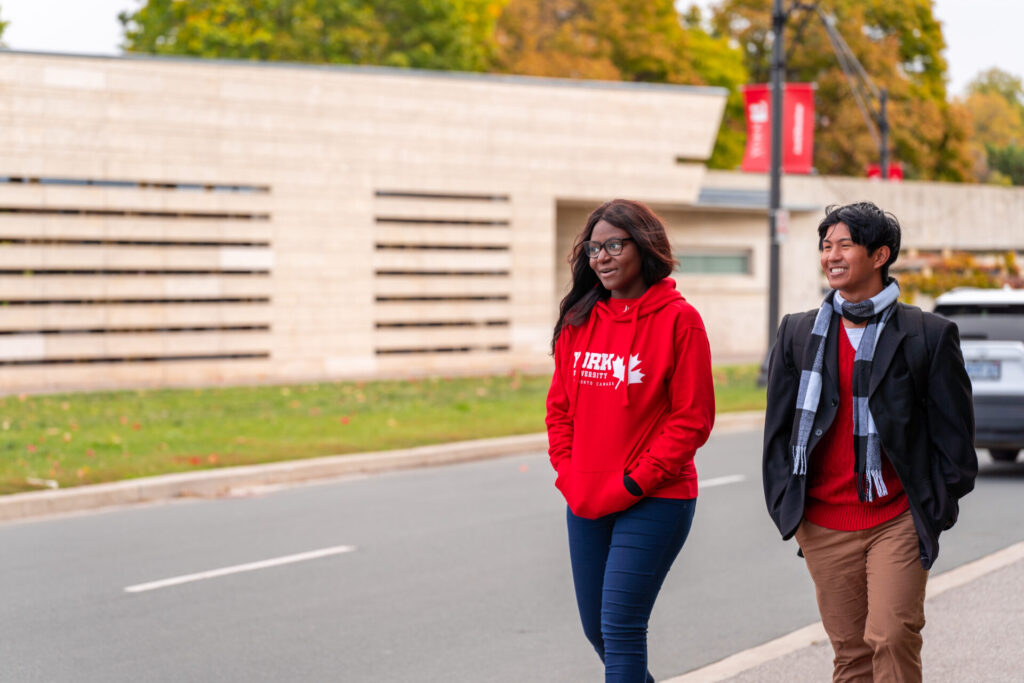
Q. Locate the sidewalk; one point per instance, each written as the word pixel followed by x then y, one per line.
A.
pixel 974 632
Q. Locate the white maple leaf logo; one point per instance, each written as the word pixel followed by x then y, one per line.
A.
pixel 618 370
pixel 636 375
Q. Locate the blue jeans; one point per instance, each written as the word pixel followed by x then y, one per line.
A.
pixel 618 565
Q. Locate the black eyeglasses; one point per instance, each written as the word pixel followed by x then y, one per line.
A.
pixel 613 246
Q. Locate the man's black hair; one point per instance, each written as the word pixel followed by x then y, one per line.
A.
pixel 869 226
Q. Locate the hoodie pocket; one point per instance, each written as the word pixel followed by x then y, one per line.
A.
pixel 596 494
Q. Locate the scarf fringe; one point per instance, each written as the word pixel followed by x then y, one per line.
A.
pixel 874 478
pixel 800 460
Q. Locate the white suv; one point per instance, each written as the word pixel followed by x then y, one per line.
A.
pixel 991 323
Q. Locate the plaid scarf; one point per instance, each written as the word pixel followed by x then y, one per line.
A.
pixel 867 447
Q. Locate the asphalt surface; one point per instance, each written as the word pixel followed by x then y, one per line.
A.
pixel 459 573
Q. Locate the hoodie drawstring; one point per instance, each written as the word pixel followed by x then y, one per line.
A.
pixel 629 353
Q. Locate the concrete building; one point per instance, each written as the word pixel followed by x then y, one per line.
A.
pixel 174 222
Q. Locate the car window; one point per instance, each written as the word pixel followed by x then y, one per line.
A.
pixel 986 321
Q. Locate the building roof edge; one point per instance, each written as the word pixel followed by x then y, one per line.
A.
pixel 513 79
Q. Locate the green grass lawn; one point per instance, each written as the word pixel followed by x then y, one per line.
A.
pixel 97 437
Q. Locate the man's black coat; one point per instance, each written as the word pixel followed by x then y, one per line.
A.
pixel 920 398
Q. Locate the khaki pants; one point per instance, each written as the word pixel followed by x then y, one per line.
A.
pixel 870 588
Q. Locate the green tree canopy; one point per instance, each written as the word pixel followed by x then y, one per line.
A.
pixel 900 46
pixel 441 34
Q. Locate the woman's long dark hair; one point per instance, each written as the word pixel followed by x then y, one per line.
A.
pixel 656 261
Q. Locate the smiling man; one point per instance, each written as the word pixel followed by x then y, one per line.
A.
pixel 868 446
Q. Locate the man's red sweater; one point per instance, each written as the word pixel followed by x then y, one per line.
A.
pixel 831 484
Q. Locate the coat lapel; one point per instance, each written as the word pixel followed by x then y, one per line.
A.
pixel 888 343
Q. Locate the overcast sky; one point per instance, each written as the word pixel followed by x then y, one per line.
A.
pixel 980 33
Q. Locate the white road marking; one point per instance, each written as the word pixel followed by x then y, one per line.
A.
pixel 736 664
pixel 721 481
pixel 238 568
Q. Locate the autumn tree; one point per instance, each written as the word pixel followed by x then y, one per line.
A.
pixel 444 34
pixel 995 102
pixel 624 40
pixel 900 46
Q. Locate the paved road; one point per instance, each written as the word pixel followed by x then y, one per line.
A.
pixel 460 573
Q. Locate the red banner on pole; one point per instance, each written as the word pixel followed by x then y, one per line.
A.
pixel 797 128
pixel 758 106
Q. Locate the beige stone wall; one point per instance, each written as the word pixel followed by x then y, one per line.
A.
pixel 220 222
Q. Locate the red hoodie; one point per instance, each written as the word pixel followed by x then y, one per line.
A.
pixel 632 394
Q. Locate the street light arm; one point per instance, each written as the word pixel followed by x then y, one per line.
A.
pixel 861 85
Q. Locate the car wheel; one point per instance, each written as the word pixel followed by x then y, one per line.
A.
pixel 1003 454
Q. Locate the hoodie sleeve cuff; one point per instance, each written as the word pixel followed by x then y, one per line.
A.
pixel 632 486
pixel 646 476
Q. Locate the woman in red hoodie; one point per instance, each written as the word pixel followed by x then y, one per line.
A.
pixel 630 403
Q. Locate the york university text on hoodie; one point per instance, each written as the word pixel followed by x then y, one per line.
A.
pixel 632 393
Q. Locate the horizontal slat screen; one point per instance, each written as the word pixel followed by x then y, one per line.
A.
pixel 121 271
pixel 451 286
pixel 124 231
pixel 128 286
pixel 133 184
pixel 442 276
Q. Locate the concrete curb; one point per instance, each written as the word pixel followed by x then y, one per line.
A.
pixel 220 482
